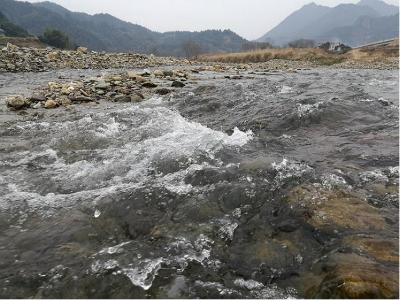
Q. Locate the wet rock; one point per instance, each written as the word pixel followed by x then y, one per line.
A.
pixel 384 102
pixel 50 104
pixel 16 101
pixel 356 277
pixel 340 208
pixel 122 98
pixel 135 98
pixel 149 84
pixel 178 84
pixel 162 91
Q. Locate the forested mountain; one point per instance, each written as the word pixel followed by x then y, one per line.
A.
pixel 346 23
pixel 10 29
pixel 366 30
pixel 103 32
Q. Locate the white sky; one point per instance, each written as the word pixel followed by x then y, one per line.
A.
pixel 249 18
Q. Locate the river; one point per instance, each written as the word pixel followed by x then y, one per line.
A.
pixel 275 185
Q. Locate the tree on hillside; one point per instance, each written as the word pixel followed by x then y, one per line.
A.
pixel 251 46
pixel 302 43
pixel 57 38
pixel 11 29
pixel 192 49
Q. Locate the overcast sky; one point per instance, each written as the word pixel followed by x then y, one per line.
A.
pixel 249 18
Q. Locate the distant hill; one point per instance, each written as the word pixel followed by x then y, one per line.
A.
pixel 323 23
pixel 10 29
pixel 339 16
pixel 286 30
pixel 366 30
pixel 103 32
pixel 381 7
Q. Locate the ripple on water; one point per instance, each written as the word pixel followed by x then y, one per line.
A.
pixel 88 158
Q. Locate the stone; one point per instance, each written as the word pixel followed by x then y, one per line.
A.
pixel 50 104
pixel 65 102
pixel 65 91
pixel 168 73
pixel 15 101
pixel 135 98
pixel 53 86
pixel 37 106
pixel 131 75
pixel 122 98
pixel 140 79
pixel 162 91
pixel 82 98
pixel 53 56
pixel 158 73
pixel 177 84
pixel 83 50
pixel 117 78
pixel 102 85
pixel 11 67
pixel 149 84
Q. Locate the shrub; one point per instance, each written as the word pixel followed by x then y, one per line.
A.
pixel 57 38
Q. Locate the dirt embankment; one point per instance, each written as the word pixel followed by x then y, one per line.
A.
pixel 32 42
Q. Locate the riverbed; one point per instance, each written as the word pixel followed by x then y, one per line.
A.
pixel 272 185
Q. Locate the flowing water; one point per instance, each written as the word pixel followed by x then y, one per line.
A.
pixel 277 185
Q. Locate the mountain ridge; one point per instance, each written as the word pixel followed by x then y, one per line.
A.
pixel 321 24
pixel 104 32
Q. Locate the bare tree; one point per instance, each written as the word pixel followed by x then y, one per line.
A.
pixel 302 43
pixel 192 49
pixel 251 46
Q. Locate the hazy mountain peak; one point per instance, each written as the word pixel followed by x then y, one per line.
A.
pixel 284 31
pixel 381 7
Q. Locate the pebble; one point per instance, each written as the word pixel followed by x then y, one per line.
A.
pixel 50 104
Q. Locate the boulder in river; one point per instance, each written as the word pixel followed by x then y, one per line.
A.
pixel 178 84
pixel 16 101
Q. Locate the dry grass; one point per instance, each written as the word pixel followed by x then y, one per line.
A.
pixel 316 56
pixel 258 56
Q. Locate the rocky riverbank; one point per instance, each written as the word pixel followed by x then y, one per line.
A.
pixel 119 87
pixel 27 59
pixel 16 59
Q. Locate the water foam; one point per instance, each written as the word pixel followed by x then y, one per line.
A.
pixel 115 151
